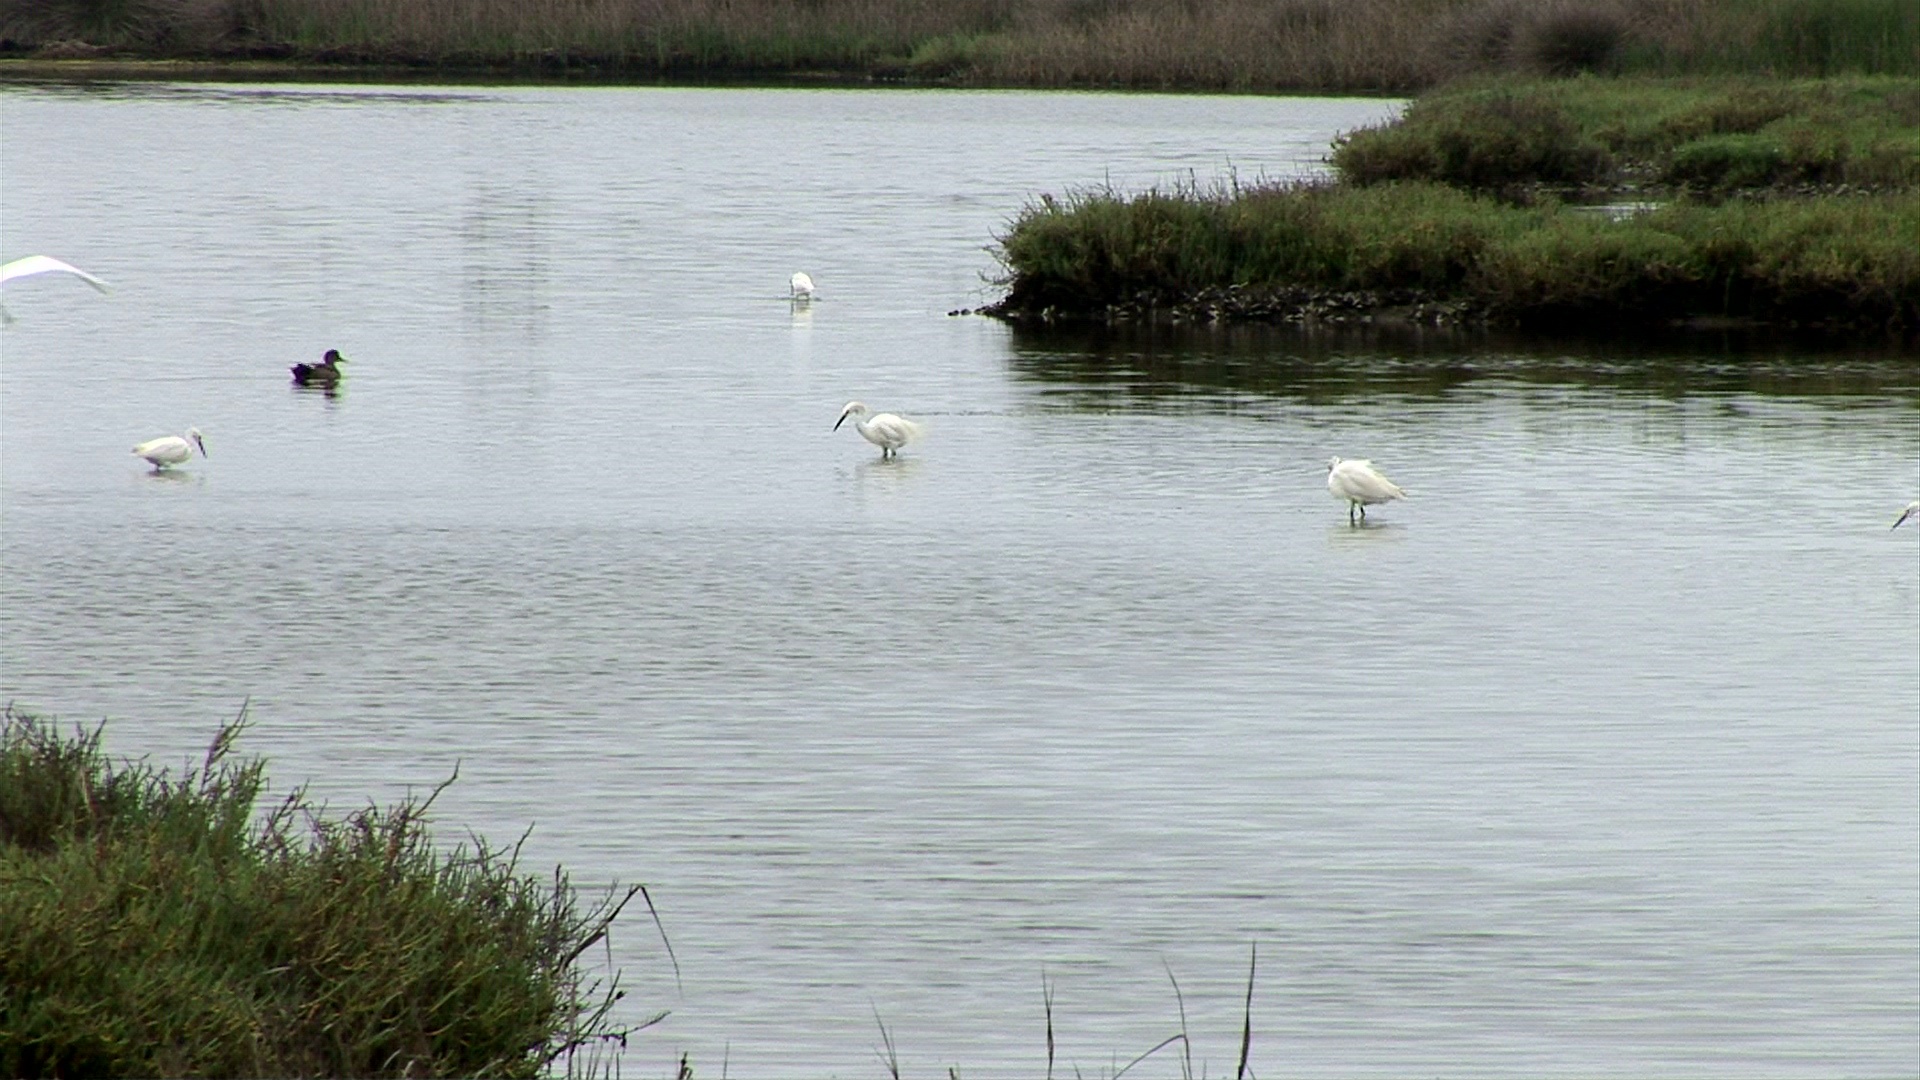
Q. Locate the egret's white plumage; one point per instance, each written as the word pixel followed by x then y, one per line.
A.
pixel 800 286
pixel 46 264
pixel 1361 485
pixel 171 449
pixel 884 430
pixel 1912 511
pixel 42 264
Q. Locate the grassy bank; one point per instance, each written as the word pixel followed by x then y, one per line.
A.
pixel 1701 135
pixel 1786 202
pixel 1254 45
pixel 155 926
pixel 1849 262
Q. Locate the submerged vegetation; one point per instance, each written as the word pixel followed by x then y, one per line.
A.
pixel 1249 45
pixel 154 926
pixel 1794 203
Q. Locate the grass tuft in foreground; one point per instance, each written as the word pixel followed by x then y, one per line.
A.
pixel 152 925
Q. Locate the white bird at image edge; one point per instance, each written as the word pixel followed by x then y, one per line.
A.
pixel 46 264
pixel 171 449
pixel 884 430
pixel 42 264
pixel 1361 485
pixel 800 286
pixel 1912 511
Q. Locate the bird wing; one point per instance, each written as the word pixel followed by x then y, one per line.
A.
pixel 1359 479
pixel 164 445
pixel 894 428
pixel 46 264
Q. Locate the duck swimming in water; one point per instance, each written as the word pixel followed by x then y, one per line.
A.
pixel 324 373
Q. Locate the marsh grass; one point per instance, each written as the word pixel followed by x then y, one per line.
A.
pixel 153 924
pixel 1393 46
pixel 1706 135
pixel 1850 261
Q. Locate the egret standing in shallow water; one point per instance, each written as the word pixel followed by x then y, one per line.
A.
pixel 1361 485
pixel 171 449
pixel 1912 511
pixel 884 430
pixel 800 286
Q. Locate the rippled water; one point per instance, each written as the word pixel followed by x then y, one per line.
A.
pixel 1599 755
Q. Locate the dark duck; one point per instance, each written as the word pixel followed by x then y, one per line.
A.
pixel 324 373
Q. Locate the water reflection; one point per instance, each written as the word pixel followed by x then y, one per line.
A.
pixel 170 477
pixel 1154 365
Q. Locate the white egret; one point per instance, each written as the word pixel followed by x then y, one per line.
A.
pixel 1361 485
pixel 800 286
pixel 46 264
pixel 171 449
pixel 884 430
pixel 42 264
pixel 324 373
pixel 1912 511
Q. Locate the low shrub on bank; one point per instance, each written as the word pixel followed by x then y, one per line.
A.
pixel 154 926
pixel 1714 136
pixel 1852 261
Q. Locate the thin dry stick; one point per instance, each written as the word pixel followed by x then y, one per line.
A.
pixel 1186 1064
pixel 890 1059
pixel 657 925
pixel 1046 997
pixel 1162 1045
pixel 1246 1025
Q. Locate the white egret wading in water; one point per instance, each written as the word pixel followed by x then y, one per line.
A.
pixel 800 286
pixel 171 449
pixel 1912 511
pixel 42 264
pixel 1361 485
pixel 884 430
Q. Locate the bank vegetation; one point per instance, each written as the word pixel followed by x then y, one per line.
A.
pixel 161 925
pixel 1555 204
pixel 1387 46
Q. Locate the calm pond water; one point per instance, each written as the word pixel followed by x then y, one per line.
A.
pixel 1598 756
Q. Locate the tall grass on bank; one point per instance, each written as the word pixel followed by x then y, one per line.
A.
pixel 154 926
pixel 1851 261
pixel 1715 135
pixel 1254 45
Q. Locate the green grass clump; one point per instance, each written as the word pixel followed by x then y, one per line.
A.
pixel 1852 261
pixel 154 926
pixel 1715 135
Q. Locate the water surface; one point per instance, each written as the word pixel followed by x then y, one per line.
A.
pixel 1597 756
